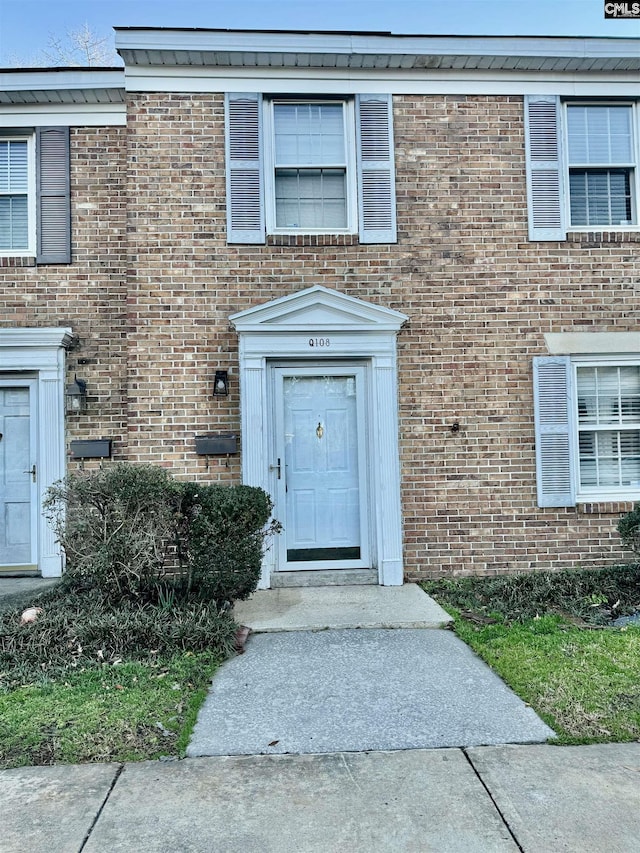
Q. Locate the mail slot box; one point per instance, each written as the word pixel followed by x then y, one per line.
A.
pixel 216 445
pixel 97 448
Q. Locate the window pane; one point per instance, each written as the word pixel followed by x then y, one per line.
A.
pixel 600 197
pixel 609 395
pixel 600 134
pixel 311 198
pixel 309 134
pixel 14 225
pixel 14 164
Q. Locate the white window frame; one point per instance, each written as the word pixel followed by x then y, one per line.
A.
pixel 634 167
pixel 350 154
pixel 30 251
pixel 597 493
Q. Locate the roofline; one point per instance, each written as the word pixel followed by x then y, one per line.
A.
pixel 379 33
pixel 289 41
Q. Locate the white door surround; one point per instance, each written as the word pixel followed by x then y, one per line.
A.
pixel 317 327
pixel 38 354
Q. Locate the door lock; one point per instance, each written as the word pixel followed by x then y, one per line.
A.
pixel 276 468
pixel 32 471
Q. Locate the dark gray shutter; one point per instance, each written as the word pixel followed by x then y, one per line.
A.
pixel 553 408
pixel 545 176
pixel 376 172
pixel 53 203
pixel 245 193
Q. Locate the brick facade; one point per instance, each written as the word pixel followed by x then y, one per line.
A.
pixel 153 282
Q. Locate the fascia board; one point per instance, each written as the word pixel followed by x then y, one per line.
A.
pixel 341 43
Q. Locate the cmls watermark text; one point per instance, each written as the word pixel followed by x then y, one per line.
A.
pixel 621 10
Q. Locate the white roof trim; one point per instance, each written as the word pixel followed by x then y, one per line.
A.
pixel 79 115
pixel 220 48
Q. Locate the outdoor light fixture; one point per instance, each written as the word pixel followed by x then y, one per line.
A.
pixel 221 383
pixel 75 396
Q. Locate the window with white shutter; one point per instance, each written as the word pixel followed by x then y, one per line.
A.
pixel 583 166
pixel 310 166
pixel 587 419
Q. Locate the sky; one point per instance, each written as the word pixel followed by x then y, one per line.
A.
pixel 26 25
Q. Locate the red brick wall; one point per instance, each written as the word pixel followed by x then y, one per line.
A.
pixel 88 295
pixel 479 296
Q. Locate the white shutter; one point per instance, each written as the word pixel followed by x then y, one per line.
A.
pixel 245 193
pixel 553 409
pixel 53 195
pixel 376 172
pixel 545 176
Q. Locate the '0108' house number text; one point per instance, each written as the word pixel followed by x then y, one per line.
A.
pixel 319 342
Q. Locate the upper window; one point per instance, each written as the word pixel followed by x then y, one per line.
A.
pixel 602 165
pixel 583 165
pixel 17 196
pixel 314 166
pixel 310 161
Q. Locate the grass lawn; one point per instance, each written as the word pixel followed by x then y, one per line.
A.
pixel 128 712
pixel 556 649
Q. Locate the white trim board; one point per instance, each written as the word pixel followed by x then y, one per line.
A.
pixel 80 115
pixel 339 81
pixel 41 351
pixel 286 330
pixel 592 343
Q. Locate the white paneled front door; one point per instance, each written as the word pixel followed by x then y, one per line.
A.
pixel 320 452
pixel 18 473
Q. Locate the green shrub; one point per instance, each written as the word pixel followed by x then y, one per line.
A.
pixel 135 533
pixel 629 529
pixel 226 529
pixel 116 526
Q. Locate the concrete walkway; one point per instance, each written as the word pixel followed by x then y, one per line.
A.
pixel 302 689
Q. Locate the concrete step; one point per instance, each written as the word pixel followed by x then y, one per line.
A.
pixel 359 606
pixel 339 577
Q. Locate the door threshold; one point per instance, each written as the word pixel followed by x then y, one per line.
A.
pixel 334 577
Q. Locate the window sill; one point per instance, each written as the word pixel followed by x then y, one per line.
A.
pixel 312 240
pixel 599 507
pixel 595 236
pixel 17 261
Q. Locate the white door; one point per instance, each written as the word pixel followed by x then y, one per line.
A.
pixel 18 491
pixel 320 467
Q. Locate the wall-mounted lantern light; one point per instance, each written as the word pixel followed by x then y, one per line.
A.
pixel 75 396
pixel 221 383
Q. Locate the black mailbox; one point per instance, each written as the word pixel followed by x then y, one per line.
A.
pixel 216 445
pixel 97 448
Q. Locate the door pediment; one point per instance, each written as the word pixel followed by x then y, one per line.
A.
pixel 319 308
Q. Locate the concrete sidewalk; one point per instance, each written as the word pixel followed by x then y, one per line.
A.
pixel 540 798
